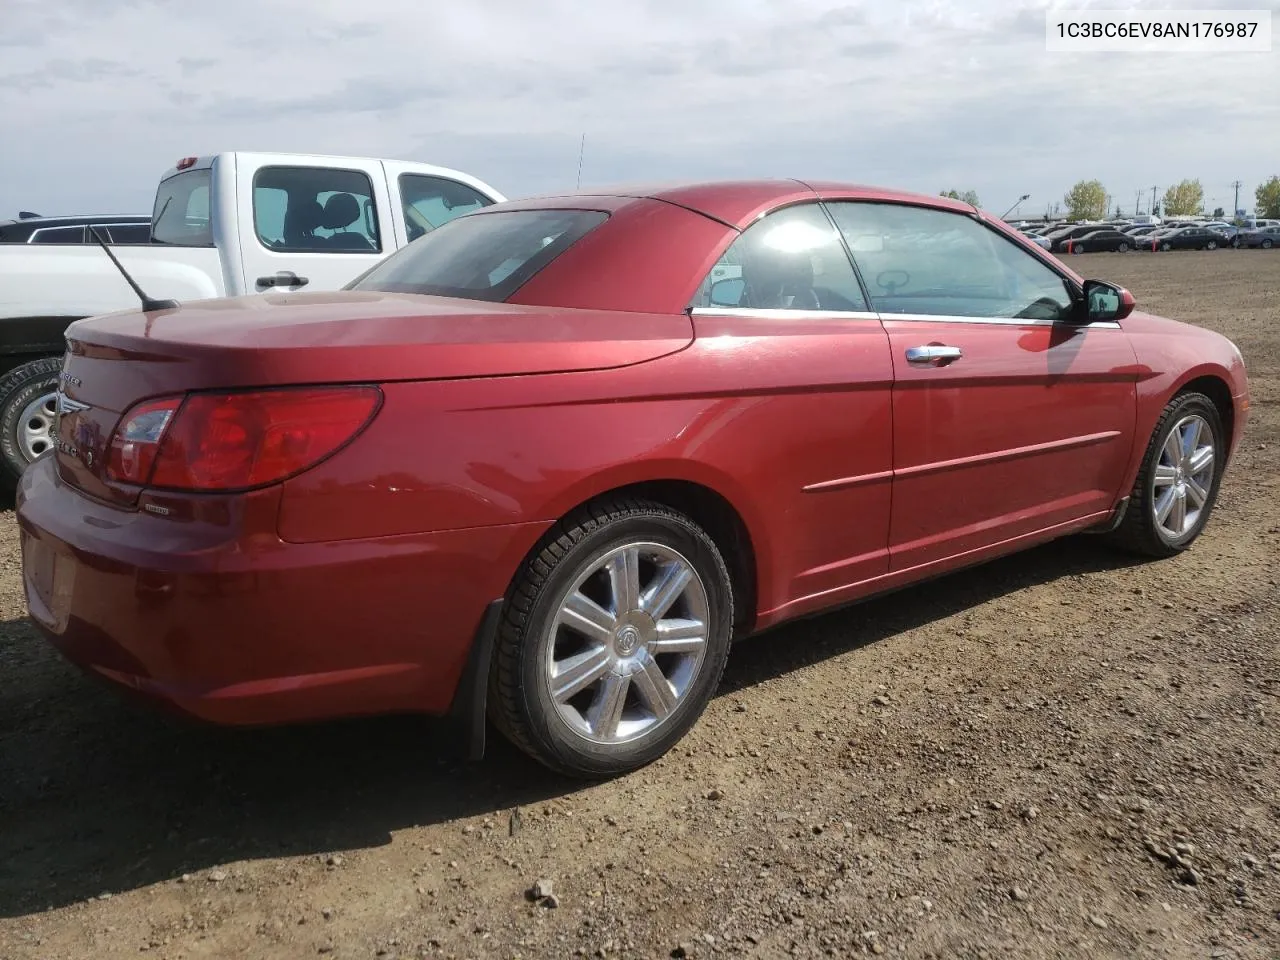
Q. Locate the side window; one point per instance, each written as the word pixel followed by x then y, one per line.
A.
pixel 315 210
pixel 430 202
pixel 59 235
pixel 927 261
pixel 129 233
pixel 790 260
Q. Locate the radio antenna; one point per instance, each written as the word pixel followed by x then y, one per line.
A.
pixel 147 303
pixel 582 148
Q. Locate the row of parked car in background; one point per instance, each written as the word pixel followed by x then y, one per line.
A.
pixel 1121 236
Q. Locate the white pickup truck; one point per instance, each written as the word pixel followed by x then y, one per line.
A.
pixel 222 225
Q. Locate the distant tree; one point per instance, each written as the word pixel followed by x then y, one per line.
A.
pixel 1184 199
pixel 1218 213
pixel 1268 199
pixel 1086 201
pixel 968 196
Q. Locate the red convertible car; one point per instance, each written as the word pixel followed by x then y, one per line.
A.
pixel 545 463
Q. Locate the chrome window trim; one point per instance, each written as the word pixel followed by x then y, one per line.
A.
pixel 778 314
pixel 1000 321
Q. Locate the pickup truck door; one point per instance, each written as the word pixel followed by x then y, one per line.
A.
pixel 308 224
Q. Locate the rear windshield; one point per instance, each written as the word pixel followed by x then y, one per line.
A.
pixel 481 256
pixel 181 214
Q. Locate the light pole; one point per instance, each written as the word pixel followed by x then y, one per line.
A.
pixel 1015 206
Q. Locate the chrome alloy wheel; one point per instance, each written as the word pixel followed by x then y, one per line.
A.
pixel 36 426
pixel 1183 477
pixel 627 642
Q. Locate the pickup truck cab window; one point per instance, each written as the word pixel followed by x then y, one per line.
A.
pixel 430 202
pixel 181 213
pixel 315 210
pixel 922 260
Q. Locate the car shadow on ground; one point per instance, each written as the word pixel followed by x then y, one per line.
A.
pixel 97 795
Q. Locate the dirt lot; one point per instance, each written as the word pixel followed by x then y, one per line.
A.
pixel 1059 754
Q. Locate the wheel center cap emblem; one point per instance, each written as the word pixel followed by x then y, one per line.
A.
pixel 627 640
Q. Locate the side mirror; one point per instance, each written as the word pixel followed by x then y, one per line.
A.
pixel 728 292
pixel 1105 301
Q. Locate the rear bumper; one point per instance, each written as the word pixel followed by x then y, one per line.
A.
pixel 225 621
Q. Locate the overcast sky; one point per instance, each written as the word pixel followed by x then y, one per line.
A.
pixel 99 97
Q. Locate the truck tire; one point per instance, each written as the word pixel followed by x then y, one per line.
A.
pixel 26 417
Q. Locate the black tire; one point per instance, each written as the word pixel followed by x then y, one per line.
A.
pixel 519 701
pixel 1138 532
pixel 18 388
pixel 1166 247
pixel 1266 244
pixel 1211 245
pixel 1123 248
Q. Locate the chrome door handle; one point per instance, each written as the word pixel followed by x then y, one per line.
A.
pixel 933 355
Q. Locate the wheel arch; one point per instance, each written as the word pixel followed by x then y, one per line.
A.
pixel 713 503
pixel 1215 387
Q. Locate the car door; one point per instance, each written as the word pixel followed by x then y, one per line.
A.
pixel 1009 418
pixel 308 224
pixel 813 382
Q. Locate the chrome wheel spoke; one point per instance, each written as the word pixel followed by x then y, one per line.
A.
pixel 653 687
pixel 624 580
pixel 605 712
pixel 1198 494
pixel 1173 446
pixel 679 636
pixel 665 590
pixel 1165 475
pixel 1178 515
pixel 574 674
pixel 587 617
pixel 1201 460
pixel 1191 438
pixel 1164 504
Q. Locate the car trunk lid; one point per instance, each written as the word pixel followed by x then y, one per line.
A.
pixel 118 360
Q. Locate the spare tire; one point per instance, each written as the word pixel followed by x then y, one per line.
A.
pixel 28 395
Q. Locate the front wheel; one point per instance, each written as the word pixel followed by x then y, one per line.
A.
pixel 1166 247
pixel 28 410
pixel 1211 245
pixel 613 639
pixel 1123 248
pixel 1266 244
pixel 1177 484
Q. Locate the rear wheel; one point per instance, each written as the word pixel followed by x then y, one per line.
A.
pixel 1267 244
pixel 1178 483
pixel 613 639
pixel 1123 248
pixel 1166 246
pixel 28 396
pixel 1211 245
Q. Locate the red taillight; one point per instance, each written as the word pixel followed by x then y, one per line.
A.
pixel 234 441
pixel 135 443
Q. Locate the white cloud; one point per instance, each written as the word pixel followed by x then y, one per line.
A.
pixel 98 98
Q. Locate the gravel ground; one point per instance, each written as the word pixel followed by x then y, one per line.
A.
pixel 1064 753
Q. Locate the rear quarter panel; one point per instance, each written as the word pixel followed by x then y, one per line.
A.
pixel 754 418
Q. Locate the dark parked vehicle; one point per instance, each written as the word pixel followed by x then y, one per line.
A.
pixel 117 228
pixel 1071 232
pixel 1188 238
pixel 1265 237
pixel 1099 241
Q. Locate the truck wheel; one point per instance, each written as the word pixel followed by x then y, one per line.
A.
pixel 613 640
pixel 27 397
